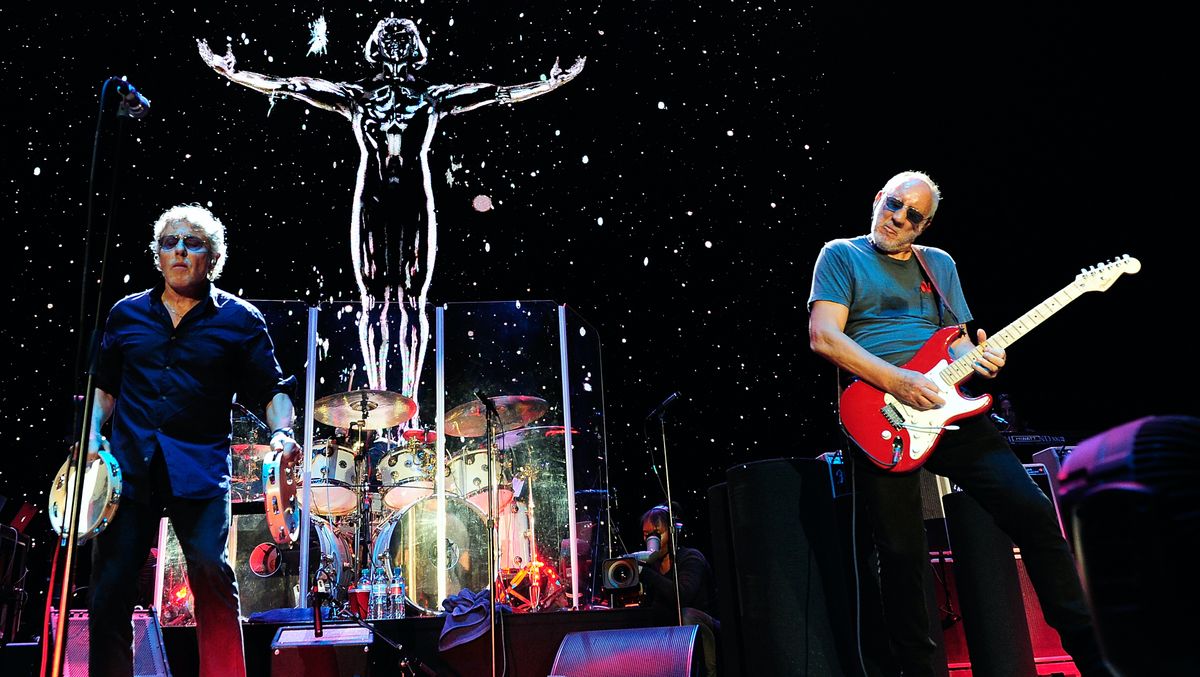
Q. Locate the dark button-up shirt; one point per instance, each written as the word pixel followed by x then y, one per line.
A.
pixel 174 386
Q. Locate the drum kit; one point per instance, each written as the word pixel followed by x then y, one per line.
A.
pixel 373 501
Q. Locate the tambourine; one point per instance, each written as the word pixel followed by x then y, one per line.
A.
pixel 101 493
pixel 280 481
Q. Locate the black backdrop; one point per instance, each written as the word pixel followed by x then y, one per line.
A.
pixel 675 194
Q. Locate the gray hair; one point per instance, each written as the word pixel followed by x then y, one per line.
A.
pixel 904 177
pixel 200 219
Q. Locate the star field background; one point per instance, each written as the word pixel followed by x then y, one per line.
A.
pixel 675 194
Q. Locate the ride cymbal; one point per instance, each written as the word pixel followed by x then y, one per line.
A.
pixel 470 420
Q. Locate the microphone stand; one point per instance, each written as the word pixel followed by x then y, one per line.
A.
pixel 491 419
pixel 670 515
pixel 74 501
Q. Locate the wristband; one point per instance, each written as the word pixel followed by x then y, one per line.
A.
pixel 286 431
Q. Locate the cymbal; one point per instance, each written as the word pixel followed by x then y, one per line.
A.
pixel 469 419
pixel 382 408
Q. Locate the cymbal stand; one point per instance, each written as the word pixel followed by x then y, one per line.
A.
pixel 362 456
pixel 491 420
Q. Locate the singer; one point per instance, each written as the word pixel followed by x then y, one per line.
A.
pixel 172 358
pixel 697 594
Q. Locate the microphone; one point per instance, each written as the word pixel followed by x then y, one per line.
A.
pixel 653 543
pixel 487 402
pixel 657 411
pixel 133 104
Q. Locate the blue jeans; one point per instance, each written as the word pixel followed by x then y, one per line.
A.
pixel 119 552
pixel 978 459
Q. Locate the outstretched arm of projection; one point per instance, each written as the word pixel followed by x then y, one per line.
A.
pixel 331 96
pixel 462 98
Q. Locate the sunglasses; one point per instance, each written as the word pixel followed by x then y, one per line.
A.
pixel 192 243
pixel 895 204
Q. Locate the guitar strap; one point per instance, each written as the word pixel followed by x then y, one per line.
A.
pixel 918 251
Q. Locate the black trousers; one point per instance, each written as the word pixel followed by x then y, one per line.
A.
pixel 120 551
pixel 978 459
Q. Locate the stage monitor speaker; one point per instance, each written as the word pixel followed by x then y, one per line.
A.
pixel 647 652
pixel 342 650
pixel 1131 495
pixel 149 655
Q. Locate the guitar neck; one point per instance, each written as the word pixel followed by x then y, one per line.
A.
pixel 961 368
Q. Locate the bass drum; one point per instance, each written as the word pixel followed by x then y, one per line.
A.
pixel 409 541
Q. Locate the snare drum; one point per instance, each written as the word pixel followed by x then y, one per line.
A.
pixel 405 476
pixel 334 479
pixel 469 473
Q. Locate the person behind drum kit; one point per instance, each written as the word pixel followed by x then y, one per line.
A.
pixel 172 358
pixel 697 593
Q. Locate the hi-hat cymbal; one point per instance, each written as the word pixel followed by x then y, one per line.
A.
pixel 372 409
pixel 469 419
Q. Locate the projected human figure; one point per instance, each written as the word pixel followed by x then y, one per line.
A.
pixel 393 222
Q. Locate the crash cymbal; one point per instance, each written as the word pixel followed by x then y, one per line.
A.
pixel 382 409
pixel 469 419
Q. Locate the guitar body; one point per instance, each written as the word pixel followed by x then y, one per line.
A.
pixel 898 438
pixel 894 436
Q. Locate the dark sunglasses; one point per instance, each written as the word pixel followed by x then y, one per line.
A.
pixel 192 243
pixel 895 204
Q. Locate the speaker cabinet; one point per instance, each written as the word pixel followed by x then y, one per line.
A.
pixel 149 656
pixel 786 572
pixel 646 652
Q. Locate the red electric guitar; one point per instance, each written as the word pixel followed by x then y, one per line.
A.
pixel 898 438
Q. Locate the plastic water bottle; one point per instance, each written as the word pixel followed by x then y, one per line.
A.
pixel 379 594
pixel 396 594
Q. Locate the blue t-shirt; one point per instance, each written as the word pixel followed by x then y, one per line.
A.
pixel 893 309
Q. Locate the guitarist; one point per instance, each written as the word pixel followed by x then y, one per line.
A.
pixel 872 306
pixel 171 359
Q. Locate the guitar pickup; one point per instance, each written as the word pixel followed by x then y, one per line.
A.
pixel 892 416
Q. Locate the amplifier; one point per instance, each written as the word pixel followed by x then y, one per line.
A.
pixel 149 654
pixel 342 650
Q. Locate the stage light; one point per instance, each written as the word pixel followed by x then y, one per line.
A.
pixel 1131 497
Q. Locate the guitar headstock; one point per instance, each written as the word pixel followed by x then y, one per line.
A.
pixel 1102 275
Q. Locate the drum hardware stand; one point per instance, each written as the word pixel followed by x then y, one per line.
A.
pixel 362 455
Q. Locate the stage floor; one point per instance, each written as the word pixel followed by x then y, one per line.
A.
pixel 530 643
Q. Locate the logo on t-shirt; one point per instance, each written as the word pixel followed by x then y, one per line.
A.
pixel 925 287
